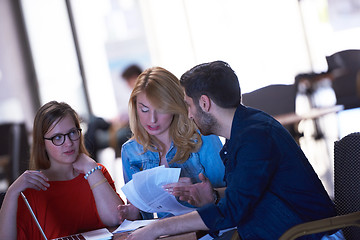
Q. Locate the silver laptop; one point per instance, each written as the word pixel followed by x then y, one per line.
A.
pixel 98 234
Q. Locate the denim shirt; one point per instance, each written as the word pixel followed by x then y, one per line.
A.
pixel 207 161
pixel 271 186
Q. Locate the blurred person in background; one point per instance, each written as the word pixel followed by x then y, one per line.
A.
pixel 101 133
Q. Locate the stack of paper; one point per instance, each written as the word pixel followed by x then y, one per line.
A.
pixel 145 191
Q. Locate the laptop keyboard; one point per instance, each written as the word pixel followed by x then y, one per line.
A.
pixel 72 237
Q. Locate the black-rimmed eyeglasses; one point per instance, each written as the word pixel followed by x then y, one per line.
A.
pixel 59 139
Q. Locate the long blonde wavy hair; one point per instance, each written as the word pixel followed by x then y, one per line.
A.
pixel 163 90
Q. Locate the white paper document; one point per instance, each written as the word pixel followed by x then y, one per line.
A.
pixel 99 234
pixel 128 225
pixel 145 191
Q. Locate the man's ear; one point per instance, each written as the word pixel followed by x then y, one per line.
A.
pixel 205 103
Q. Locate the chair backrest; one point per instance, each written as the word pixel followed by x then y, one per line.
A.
pixel 2 196
pixel 347 178
pixel 273 99
pixel 346 85
pixel 347 194
pixel 14 143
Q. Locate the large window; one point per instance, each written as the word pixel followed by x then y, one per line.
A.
pixel 266 42
pixel 54 53
pixel 330 26
pixel 262 40
pixel 111 37
pixel 80 49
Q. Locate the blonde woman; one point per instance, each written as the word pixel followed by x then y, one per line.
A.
pixel 164 135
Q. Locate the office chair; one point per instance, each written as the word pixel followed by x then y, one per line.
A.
pixel 275 100
pixel 2 196
pixel 347 178
pixel 14 143
pixel 347 194
pixel 346 84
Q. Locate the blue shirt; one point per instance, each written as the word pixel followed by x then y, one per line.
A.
pixel 207 161
pixel 271 186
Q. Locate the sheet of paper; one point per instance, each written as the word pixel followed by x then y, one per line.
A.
pixel 99 234
pixel 145 191
pixel 128 225
pixel 223 234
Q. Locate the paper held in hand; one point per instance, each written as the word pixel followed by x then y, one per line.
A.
pixel 145 191
pixel 128 225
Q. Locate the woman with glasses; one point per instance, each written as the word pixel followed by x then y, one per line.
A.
pixel 67 190
pixel 164 135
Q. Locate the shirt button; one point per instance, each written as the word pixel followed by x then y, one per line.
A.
pixel 225 152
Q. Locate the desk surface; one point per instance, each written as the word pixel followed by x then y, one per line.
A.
pixel 185 236
pixel 291 118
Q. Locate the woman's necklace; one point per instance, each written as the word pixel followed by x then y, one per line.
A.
pixel 163 160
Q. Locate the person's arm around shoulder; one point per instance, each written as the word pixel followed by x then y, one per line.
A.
pixel 106 199
pixel 8 211
pixel 189 222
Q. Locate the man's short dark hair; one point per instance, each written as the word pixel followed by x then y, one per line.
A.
pixel 216 80
pixel 131 71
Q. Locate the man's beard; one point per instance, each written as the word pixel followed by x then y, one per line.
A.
pixel 206 123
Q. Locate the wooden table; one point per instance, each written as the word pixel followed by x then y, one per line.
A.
pixel 185 236
pixel 291 118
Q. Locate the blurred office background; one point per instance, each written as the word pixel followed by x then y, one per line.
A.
pixel 75 51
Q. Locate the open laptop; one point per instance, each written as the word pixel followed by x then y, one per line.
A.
pixel 99 234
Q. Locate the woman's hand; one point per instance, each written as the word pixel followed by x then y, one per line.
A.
pixel 84 163
pixel 30 179
pixel 129 212
pixel 8 213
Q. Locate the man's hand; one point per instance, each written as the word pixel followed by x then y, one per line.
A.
pixel 129 212
pixel 170 226
pixel 198 194
pixel 183 181
pixel 143 233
